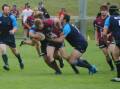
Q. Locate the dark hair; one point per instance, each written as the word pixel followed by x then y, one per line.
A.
pixel 113 10
pixel 108 3
pixel 103 7
pixel 4 5
pixel 67 18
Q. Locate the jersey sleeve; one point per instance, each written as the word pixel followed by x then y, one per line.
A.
pixel 66 29
pixel 32 29
pixel 14 21
pixel 107 23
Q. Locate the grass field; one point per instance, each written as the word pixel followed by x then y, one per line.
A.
pixel 54 6
pixel 37 75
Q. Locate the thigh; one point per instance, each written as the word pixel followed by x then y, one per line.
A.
pixel 3 48
pixel 105 51
pixel 63 53
pixel 14 50
pixel 75 55
pixel 50 52
pixel 116 53
pixel 111 48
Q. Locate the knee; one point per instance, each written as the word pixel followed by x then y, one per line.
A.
pixel 50 58
pixel 3 50
pixel 71 61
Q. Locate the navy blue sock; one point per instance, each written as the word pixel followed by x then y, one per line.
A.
pixel 109 61
pixel 19 58
pixel 82 63
pixel 55 66
pixel 117 63
pixel 5 59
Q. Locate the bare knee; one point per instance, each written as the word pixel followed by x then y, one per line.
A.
pixel 3 48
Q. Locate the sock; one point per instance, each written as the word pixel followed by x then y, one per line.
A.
pixel 109 61
pixel 19 58
pixel 55 66
pixel 75 69
pixel 117 63
pixel 112 56
pixel 82 63
pixel 5 59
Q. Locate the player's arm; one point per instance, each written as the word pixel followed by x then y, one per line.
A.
pixel 66 31
pixel 106 28
pixel 32 33
pixel 59 39
pixel 57 23
pixel 96 35
pixel 14 24
pixel 36 35
pixel 26 24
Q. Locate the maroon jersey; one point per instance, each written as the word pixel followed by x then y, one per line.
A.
pixel 30 20
pixel 50 28
pixel 99 23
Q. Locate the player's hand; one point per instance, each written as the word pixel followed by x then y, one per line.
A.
pixel 12 32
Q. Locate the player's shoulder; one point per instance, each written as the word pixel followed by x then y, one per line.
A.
pixel 12 16
pixel 1 14
pixel 67 25
pixel 48 22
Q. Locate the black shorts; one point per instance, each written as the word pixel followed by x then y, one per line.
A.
pixel 8 40
pixel 82 47
pixel 118 45
pixel 44 46
pixel 56 45
pixel 102 45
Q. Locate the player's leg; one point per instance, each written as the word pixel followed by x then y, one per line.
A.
pixel 26 42
pixel 75 60
pixel 116 55
pixel 38 47
pixel 17 54
pixel 50 53
pixel 65 56
pixel 58 57
pixel 111 50
pixel 4 56
pixel 108 59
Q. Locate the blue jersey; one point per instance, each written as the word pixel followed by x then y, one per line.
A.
pixel 73 36
pixel 7 23
pixel 112 23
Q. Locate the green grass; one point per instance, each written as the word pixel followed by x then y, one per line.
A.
pixel 54 6
pixel 37 75
pixel 72 6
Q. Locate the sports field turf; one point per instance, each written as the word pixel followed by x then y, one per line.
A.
pixel 37 75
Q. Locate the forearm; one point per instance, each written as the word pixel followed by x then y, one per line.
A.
pixel 96 36
pixel 58 40
pixel 27 25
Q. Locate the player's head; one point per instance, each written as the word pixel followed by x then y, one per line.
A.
pixel 6 9
pixel 114 10
pixel 14 6
pixel 37 14
pixel 104 10
pixel 39 24
pixel 66 18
